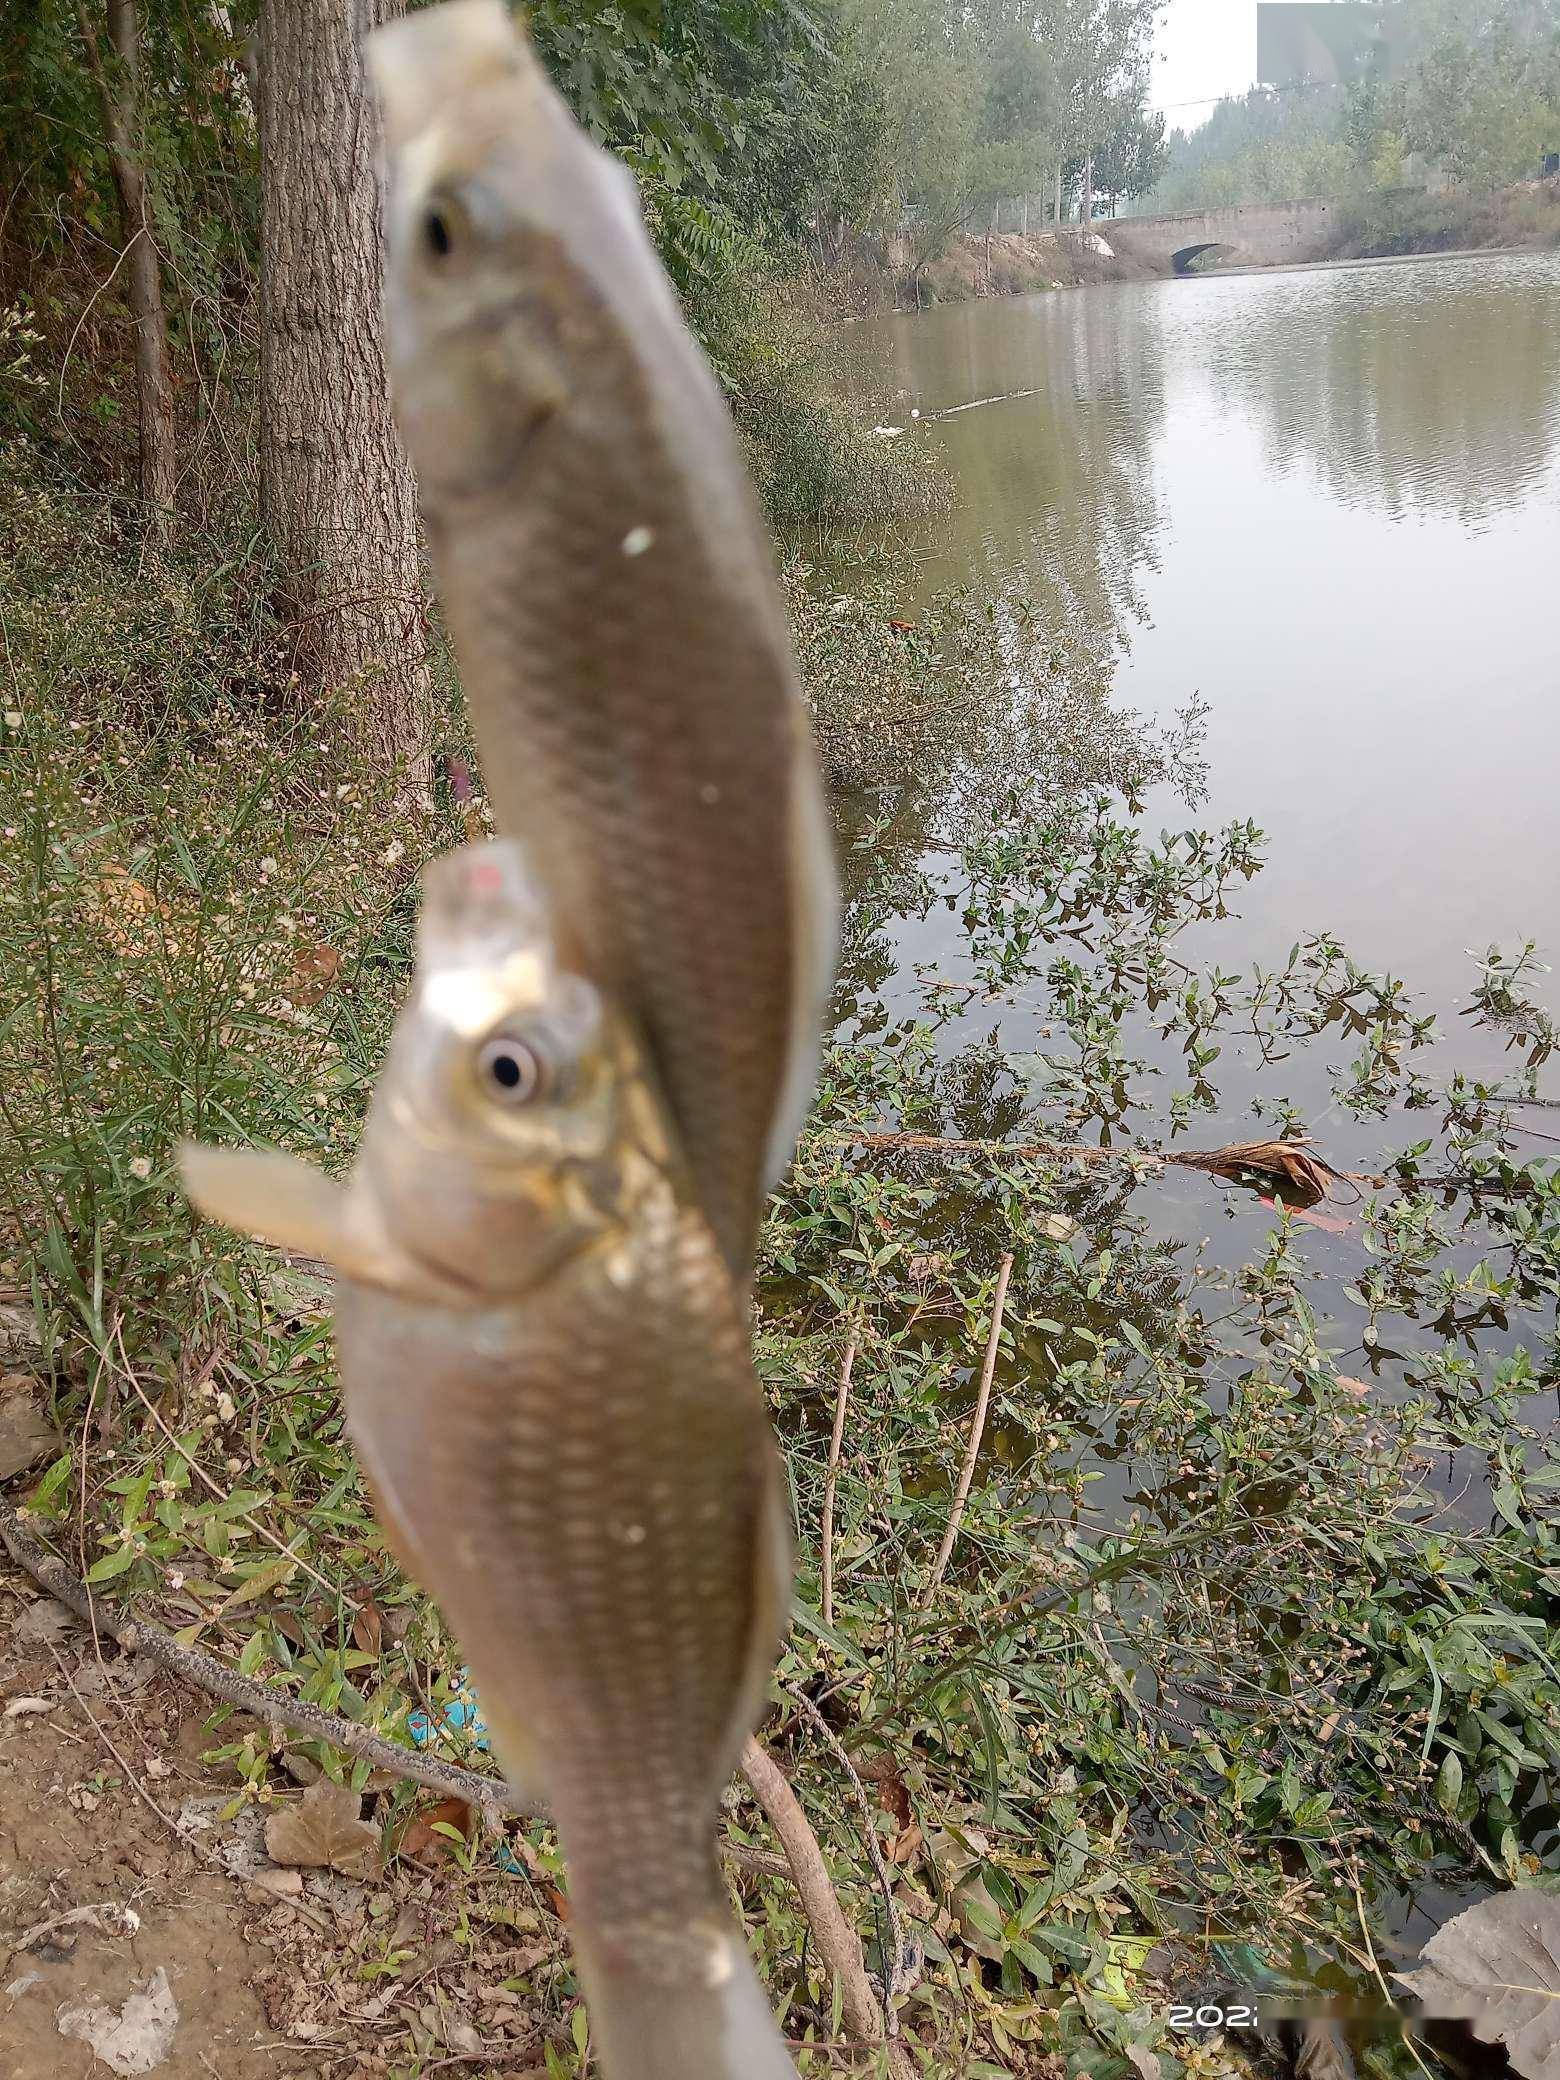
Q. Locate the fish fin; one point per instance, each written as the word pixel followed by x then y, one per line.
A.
pixel 653 2028
pixel 422 64
pixel 815 924
pixel 264 1192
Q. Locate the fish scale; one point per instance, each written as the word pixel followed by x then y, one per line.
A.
pixel 627 1654
pixel 682 906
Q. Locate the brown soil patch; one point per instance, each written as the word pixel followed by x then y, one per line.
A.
pixel 336 1977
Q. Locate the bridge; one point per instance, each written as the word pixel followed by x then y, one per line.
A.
pixel 1251 234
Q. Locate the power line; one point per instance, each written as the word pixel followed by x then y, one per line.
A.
pixel 1295 86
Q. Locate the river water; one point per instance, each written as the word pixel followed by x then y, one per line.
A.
pixel 1328 503
pixel 1325 504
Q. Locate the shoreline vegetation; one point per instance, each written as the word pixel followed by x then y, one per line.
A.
pixel 1279 1682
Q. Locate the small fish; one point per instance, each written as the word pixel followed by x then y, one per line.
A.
pixel 547 1379
pixel 610 587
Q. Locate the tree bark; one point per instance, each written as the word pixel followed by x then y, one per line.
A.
pixel 1086 199
pixel 336 488
pixel 118 96
pixel 1058 212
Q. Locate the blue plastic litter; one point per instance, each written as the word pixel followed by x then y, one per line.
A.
pixel 460 1716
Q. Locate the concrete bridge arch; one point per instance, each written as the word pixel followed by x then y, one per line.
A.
pixel 1255 234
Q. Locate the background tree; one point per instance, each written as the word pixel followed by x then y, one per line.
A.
pixel 1133 155
pixel 336 489
pixel 116 73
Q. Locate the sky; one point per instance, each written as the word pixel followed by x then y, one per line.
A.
pixel 1203 49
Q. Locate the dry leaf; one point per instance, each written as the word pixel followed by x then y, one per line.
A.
pixel 419 1842
pixel 275 1884
pixel 1497 1968
pixel 323 1831
pixel 368 1628
pixel 1286 1160
pixel 315 970
pixel 1356 1387
pixel 27 1437
pixel 136 2038
pixel 43 1620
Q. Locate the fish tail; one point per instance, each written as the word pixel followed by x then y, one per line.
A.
pixel 647 2026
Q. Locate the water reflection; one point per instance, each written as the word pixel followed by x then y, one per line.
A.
pixel 1408 389
pixel 1054 466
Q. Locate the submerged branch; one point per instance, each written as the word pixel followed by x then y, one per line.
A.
pixel 1288 1162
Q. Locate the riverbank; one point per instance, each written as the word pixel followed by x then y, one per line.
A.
pixel 1171 1677
pixel 1387 226
pixel 1391 226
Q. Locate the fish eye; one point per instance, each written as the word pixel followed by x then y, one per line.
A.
pixel 510 1070
pixel 438 233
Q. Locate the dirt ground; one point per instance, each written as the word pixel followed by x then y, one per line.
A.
pixel 272 1971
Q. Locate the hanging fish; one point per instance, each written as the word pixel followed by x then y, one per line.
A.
pixel 610 588
pixel 547 1379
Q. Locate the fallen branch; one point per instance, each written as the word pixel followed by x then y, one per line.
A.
pixel 894 1948
pixel 841 1403
pixel 134 1634
pixel 838 1944
pixel 961 1494
pixel 1288 1162
pixel 491 1796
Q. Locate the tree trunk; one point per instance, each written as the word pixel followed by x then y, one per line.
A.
pixel 118 96
pixel 1024 220
pixel 1086 199
pixel 1058 213
pixel 336 488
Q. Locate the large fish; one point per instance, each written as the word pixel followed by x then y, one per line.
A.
pixel 547 1380
pixel 610 588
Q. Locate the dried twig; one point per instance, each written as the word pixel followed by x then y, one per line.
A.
pixel 137 1635
pixel 134 1634
pixel 894 1949
pixel 838 1944
pixel 961 1493
pixel 841 1404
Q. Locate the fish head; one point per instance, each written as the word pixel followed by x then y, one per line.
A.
pixel 508 233
pixel 508 1126
pixel 491 1147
